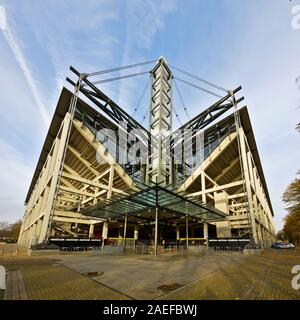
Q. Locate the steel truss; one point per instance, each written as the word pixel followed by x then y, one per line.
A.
pixel 170 142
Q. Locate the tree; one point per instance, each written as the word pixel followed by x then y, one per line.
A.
pixel 291 227
pixel 4 228
pixel 15 230
pixel 291 197
pixel 280 235
pixel 298 83
pixel 11 231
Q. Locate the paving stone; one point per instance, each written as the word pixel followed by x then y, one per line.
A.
pixel 216 276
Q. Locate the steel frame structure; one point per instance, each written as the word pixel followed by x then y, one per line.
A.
pixel 70 188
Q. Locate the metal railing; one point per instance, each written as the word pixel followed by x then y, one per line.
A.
pixel 76 250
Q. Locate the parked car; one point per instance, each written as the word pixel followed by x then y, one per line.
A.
pixel 287 246
pixel 282 245
pixel 275 245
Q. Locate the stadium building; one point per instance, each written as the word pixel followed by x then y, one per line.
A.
pixel 102 176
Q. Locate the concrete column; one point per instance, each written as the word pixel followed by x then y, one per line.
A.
pixel 155 231
pixel 259 233
pixel 36 232
pixel 91 231
pixel 223 229
pixel 205 231
pixel 31 235
pixel 136 232
pixel 256 210
pixel 203 186
pixel 187 231
pixel 20 239
pixel 38 228
pixel 55 177
pixel 221 203
pixel 241 137
pixel 120 236
pixel 125 231
pixel 52 232
pixel 104 232
pixel 177 233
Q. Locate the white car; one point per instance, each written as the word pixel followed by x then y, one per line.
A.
pixel 283 245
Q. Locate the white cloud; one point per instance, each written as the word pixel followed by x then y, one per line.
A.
pixel 8 35
pixel 76 34
pixel 263 56
pixel 143 21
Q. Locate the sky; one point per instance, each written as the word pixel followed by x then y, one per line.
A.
pixel 253 43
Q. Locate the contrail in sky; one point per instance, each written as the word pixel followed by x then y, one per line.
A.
pixel 9 37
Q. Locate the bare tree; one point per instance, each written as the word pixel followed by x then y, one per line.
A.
pixel 4 228
pixel 15 229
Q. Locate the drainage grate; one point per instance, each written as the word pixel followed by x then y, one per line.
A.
pixel 94 274
pixel 169 287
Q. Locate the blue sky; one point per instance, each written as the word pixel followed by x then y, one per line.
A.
pixel 230 42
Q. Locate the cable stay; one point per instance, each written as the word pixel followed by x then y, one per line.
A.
pixel 141 98
pixel 181 99
pixel 144 117
pixel 121 77
pixel 200 88
pixel 201 79
pixel 177 115
pixel 119 68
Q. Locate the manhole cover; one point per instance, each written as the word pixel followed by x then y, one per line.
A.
pixel 169 287
pixel 94 274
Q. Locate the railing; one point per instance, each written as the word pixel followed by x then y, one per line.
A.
pixel 149 249
pixel 76 250
pixel 227 244
pixel 221 248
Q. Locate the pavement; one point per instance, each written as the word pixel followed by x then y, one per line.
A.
pixel 206 276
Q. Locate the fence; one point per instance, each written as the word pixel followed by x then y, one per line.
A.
pixel 73 246
pixel 228 244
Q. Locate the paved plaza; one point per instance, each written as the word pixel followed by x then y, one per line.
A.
pixel 208 275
